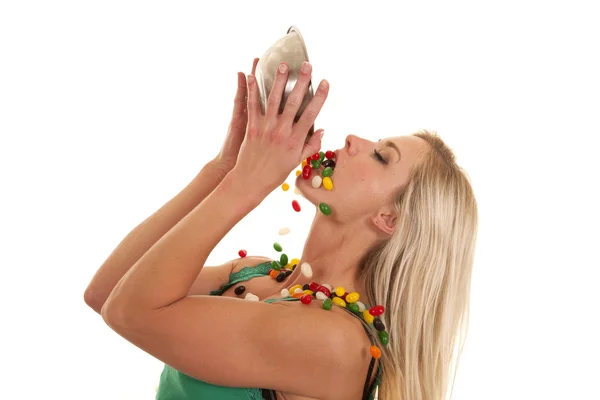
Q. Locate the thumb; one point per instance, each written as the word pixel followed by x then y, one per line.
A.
pixel 314 144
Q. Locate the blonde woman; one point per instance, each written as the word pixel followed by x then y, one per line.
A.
pixel 378 300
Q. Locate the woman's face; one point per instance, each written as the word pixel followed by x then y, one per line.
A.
pixel 366 177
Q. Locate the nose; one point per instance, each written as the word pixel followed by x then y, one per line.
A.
pixel 354 144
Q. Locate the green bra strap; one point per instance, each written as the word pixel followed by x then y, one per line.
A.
pixel 243 275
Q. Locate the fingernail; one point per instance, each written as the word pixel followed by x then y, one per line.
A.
pixel 282 68
pixel 321 134
pixel 250 78
pixel 305 67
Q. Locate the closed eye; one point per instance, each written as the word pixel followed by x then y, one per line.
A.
pixel 379 157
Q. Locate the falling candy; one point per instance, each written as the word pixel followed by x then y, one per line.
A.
pixel 283 260
pixel 297 192
pixel 316 181
pixel 306 171
pixel 277 246
pixel 327 172
pixel 325 209
pixel 327 183
pixel 284 231
pixel 298 172
pixel 329 154
pixel 275 265
pixel 285 187
pixel 306 270
pixel 296 205
pixel 242 253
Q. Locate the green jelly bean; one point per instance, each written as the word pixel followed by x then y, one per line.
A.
pixel 321 156
pixel 327 172
pixel 327 304
pixel 275 265
pixel 383 337
pixel 324 208
pixel 283 260
pixel 315 163
pixel 354 308
pixel 277 246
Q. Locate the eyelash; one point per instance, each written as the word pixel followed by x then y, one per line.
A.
pixel 379 157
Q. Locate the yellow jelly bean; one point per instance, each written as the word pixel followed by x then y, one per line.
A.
pixel 340 291
pixel 298 172
pixel 285 187
pixel 293 288
pixel 339 302
pixel 294 261
pixel 368 317
pixel 308 292
pixel 352 297
pixel 327 183
pixel 303 163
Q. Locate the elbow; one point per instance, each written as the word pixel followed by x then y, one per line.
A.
pixel 120 316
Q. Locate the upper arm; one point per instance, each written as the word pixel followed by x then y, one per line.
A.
pixel 233 342
pixel 211 278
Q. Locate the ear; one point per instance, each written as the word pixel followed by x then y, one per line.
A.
pixel 385 221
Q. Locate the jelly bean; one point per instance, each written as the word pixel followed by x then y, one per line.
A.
pixel 376 311
pixel 273 273
pixel 322 296
pixel 326 172
pixel 306 270
pixel 239 290
pixel 285 187
pixel 304 163
pixel 283 260
pixel 383 337
pixel 339 291
pixel 275 265
pixel 306 286
pixel 354 308
pixel 339 302
pixel 298 290
pixel 327 183
pixel 325 209
pixel 306 299
pixel 297 295
pixel 284 231
pixel 329 154
pixel 352 297
pixel 324 290
pixel 277 246
pixel 298 172
pixel 308 160
pixel 296 190
pixel 294 261
pixel 251 297
pixel 361 306
pixel 314 286
pixel 242 253
pixel 288 272
pixel 328 163
pixel 285 293
pixel 308 292
pixel 367 317
pixel 375 352
pixel 296 205
pixel 315 164
pixel 321 156
pixel 315 156
pixel 316 181
pixel 280 276
pixel 326 285
pixel 293 288
pixel 327 304
pixel 378 324
pixel 306 171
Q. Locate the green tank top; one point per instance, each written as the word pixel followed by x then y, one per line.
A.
pixel 175 385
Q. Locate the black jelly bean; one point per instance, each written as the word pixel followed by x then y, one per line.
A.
pixel 239 290
pixel 306 286
pixel 378 324
pixel 281 276
pixel 328 163
pixel 288 273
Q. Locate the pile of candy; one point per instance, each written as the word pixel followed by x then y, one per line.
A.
pixel 314 162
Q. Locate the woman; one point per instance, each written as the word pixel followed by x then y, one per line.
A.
pixel 398 236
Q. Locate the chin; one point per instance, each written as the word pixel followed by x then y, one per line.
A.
pixel 315 196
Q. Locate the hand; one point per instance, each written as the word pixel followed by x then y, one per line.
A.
pixel 227 157
pixel 274 145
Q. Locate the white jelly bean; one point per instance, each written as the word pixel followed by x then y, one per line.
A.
pixel 321 296
pixel 306 270
pixel 251 297
pixel 296 191
pixel 316 181
pixel 361 306
pixel 298 290
pixel 285 293
pixel 328 286
pixel 284 231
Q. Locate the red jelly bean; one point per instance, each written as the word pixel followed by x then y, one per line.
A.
pixel 306 299
pixel 329 154
pixel 296 205
pixel 242 253
pixel 376 311
pixel 316 156
pixel 308 160
pixel 314 286
pixel 306 171
pixel 324 290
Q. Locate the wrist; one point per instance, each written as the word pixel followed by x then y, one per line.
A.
pixel 237 182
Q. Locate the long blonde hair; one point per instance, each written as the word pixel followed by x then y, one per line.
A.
pixel 422 275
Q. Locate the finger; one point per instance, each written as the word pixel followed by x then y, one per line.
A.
pixel 312 110
pixel 296 97
pixel 253 104
pixel 314 145
pixel 239 103
pixel 274 101
pixel 254 64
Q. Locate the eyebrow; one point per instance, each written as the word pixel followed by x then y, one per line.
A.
pixel 393 146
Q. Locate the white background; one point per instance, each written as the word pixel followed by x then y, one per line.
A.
pixel 108 109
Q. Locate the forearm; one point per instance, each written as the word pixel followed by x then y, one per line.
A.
pixel 148 232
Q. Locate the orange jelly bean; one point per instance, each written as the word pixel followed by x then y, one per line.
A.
pixel 375 352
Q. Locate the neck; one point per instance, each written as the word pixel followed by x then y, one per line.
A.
pixel 334 252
